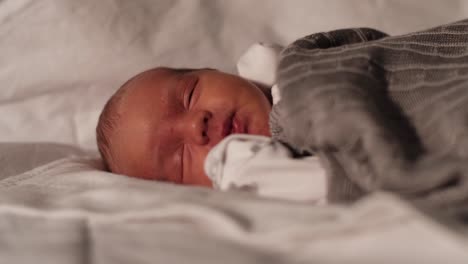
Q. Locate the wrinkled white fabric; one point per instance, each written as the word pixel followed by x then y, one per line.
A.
pixel 259 164
pixel 259 64
pixel 69 212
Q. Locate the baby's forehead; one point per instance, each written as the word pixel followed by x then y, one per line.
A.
pixel 152 84
pixel 149 76
pixel 146 82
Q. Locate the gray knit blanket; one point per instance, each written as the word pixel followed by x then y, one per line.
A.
pixel 382 112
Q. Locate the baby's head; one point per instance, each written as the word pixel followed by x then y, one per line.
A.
pixel 161 123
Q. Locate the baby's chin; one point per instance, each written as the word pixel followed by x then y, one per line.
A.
pixel 259 128
pixel 262 132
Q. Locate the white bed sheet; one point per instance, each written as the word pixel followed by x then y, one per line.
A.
pixel 70 212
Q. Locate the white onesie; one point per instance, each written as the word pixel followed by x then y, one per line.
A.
pixel 258 163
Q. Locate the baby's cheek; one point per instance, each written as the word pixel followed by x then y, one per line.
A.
pixel 197 173
pixel 221 103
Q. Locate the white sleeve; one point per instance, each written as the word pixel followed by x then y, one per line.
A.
pixel 260 164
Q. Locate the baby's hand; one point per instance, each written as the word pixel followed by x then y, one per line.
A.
pixel 266 166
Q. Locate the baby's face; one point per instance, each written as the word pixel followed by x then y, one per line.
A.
pixel 171 119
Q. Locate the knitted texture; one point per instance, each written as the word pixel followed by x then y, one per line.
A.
pixel 382 112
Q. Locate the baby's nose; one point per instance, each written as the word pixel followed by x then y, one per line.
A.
pixel 195 127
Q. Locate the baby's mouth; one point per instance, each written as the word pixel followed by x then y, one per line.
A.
pixel 238 127
pixel 228 126
pixel 233 125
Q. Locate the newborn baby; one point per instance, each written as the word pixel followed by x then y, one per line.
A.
pixel 162 123
pixel 383 113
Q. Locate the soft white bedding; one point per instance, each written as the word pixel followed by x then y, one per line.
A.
pixel 69 212
pixel 61 59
